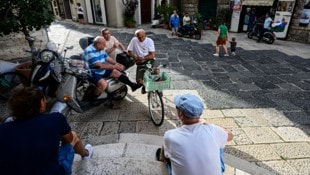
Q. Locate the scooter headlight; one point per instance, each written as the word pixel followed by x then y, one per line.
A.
pixel 46 56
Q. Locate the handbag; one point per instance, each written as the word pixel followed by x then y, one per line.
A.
pixel 125 59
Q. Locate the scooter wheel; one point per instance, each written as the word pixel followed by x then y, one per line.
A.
pixel 250 35
pixel 197 36
pixel 121 94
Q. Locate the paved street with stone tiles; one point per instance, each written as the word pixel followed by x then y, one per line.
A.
pixel 262 95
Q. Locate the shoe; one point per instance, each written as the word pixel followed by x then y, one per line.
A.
pixel 216 55
pixel 135 87
pixel 143 91
pixel 158 154
pixel 90 150
pixel 233 54
pixel 226 55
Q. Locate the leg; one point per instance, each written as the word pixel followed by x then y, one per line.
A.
pixel 139 74
pixel 225 49
pixel 78 145
pixel 101 86
pixel 124 79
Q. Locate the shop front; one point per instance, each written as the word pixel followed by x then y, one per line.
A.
pixel 245 11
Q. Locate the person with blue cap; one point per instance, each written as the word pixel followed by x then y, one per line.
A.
pixel 195 147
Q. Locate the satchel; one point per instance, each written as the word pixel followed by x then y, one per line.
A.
pixel 125 59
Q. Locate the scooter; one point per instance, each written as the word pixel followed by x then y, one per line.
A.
pixel 268 36
pixel 191 31
pixel 46 75
pixel 76 85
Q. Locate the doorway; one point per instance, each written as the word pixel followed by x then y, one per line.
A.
pixel 145 11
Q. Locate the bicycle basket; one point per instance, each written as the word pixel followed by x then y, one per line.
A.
pixel 156 82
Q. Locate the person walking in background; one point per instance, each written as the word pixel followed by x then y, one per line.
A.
pixel 113 47
pixel 174 23
pixel 222 36
pixel 37 143
pixel 80 13
pixel 233 45
pixel 252 19
pixel 196 147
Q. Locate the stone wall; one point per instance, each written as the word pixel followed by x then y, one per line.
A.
pixel 12 46
pixel 299 34
pixel 190 6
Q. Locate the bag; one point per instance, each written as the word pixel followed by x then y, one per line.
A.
pixel 125 59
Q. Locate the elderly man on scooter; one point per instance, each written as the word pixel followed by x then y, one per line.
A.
pixel 102 66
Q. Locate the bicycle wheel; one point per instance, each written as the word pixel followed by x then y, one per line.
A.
pixel 10 81
pixel 156 107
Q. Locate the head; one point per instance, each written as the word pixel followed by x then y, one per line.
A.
pixel 233 38
pixel 175 12
pixel 106 34
pixel 186 14
pixel 78 4
pixel 267 15
pixel 189 106
pixel 26 103
pixel 100 43
pixel 140 34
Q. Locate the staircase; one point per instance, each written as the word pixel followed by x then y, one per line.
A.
pixel 134 154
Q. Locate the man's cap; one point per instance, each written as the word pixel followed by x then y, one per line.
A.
pixel 189 104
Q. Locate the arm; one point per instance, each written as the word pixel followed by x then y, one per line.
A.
pixel 67 138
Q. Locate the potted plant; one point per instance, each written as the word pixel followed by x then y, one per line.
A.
pixel 129 12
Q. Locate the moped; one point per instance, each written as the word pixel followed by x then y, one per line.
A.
pixel 76 85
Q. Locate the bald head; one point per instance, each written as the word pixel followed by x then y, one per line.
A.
pixel 99 43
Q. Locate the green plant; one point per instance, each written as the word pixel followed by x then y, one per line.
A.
pixel 164 12
pixel 198 17
pixel 129 12
pixel 24 16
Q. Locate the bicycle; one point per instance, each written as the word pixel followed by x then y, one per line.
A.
pixel 154 84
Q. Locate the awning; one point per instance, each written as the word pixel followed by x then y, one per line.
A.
pixel 258 2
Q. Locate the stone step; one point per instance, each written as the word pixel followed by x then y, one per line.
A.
pixel 132 153
pixel 118 166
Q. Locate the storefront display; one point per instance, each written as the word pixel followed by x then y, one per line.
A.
pixel 283 17
pixel 305 15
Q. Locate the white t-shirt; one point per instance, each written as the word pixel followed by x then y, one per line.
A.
pixel 80 10
pixel 195 149
pixel 110 44
pixel 141 49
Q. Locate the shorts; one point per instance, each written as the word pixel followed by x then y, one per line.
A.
pixel 80 16
pixel 174 29
pixel 66 156
pixel 140 73
pixel 221 41
pixel 96 77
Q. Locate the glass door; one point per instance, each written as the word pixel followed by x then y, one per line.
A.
pixel 97 11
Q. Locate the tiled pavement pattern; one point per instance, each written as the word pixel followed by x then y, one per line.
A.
pixel 262 95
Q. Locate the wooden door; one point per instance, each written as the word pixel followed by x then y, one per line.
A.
pixel 146 11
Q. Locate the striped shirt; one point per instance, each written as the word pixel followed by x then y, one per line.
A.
pixel 92 56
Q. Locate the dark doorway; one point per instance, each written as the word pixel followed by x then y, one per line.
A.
pixel 207 8
pixel 67 9
pixel 145 11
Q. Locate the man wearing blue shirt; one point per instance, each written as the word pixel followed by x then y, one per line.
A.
pixel 102 66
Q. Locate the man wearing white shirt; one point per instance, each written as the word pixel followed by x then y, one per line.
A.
pixel 142 50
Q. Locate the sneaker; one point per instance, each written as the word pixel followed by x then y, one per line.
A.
pixel 90 150
pixel 158 154
pixel 233 54
pixel 135 87
pixel 226 55
pixel 216 55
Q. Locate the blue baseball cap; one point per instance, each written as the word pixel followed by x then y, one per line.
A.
pixel 189 104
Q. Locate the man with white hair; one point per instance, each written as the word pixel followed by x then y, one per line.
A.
pixel 142 50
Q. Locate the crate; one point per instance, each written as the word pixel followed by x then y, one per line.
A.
pixel 151 84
